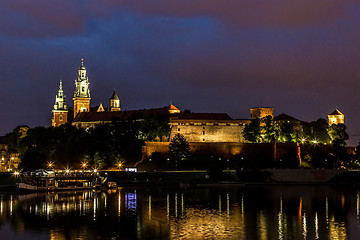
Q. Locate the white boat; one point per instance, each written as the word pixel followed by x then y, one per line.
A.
pixel 43 180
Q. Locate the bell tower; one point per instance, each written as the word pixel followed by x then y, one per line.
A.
pixel 114 102
pixel 82 91
pixel 60 111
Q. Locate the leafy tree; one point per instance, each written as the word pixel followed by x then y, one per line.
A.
pixel 338 134
pixel 179 148
pixel 158 126
pixel 99 161
pixel 252 131
pixel 320 133
pixel 287 133
pixel 270 130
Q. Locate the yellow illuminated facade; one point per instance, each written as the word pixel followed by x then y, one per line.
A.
pixel 336 117
pixel 82 91
pixel 60 111
pixel 261 112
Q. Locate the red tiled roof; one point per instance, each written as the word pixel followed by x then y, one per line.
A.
pixel 285 117
pixel 201 116
pixel 108 116
pixel 336 112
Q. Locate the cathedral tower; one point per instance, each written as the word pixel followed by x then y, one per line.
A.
pixel 82 91
pixel 114 102
pixel 60 111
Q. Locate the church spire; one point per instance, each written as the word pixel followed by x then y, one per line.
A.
pixel 82 83
pixel 114 102
pixel 60 103
pixel 60 111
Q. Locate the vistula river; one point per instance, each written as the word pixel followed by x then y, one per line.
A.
pixel 251 212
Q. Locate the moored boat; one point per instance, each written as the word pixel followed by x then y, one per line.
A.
pixel 58 180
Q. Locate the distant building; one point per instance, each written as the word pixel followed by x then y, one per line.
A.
pixel 196 127
pixel 261 112
pixel 336 117
pixel 207 127
pixel 63 114
pixel 8 161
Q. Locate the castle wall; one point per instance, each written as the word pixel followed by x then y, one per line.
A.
pixel 265 151
pixel 208 131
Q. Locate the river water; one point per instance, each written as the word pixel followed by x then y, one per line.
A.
pixel 255 212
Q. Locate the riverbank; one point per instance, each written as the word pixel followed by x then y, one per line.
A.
pixel 201 178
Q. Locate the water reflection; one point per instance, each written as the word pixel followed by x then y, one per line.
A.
pixel 225 213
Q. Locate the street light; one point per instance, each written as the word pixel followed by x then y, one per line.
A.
pixel 84 165
pixel 50 164
pixel 119 165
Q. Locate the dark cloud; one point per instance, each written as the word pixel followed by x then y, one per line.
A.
pixel 301 57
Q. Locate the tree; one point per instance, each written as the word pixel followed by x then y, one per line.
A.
pixel 286 131
pixel 252 131
pixel 179 148
pixel 270 129
pixel 338 134
pixel 320 133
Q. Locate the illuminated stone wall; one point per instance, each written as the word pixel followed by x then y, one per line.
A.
pixel 208 131
pixel 336 119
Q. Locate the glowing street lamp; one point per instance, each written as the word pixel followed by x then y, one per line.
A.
pixel 50 165
pixel 119 165
pixel 84 165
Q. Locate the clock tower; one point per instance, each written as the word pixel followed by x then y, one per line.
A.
pixel 82 91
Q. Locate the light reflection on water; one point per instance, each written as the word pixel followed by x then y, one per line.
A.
pixel 307 212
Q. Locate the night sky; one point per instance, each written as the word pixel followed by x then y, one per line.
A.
pixel 301 57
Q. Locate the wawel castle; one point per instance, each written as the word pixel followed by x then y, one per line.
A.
pixel 200 129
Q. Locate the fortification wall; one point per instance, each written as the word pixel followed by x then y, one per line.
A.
pixel 265 151
pixel 212 133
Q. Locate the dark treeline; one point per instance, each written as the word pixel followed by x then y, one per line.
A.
pixel 100 147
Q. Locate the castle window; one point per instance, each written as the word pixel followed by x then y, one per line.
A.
pixel 203 139
pixel 203 127
pixel 178 129
pixel 60 118
pixel 203 132
pixel 83 89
